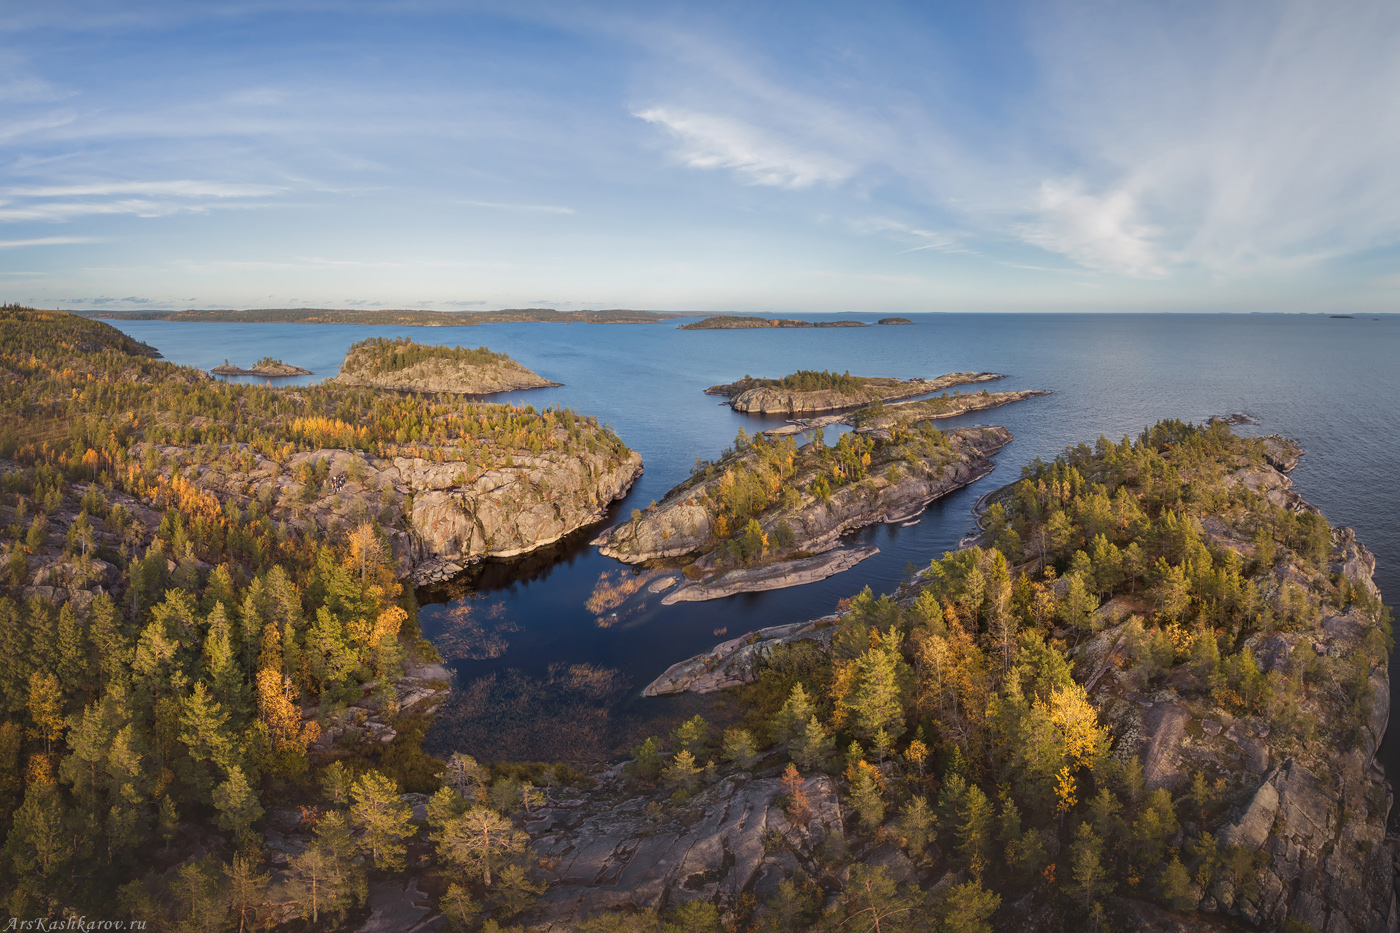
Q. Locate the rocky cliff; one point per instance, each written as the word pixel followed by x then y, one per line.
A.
pixel 441 515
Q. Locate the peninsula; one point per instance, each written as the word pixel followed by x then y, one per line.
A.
pixel 267 366
pixel 405 365
pixel 810 392
pixel 745 322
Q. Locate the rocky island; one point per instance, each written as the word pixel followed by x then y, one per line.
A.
pixel 405 365
pixel 894 320
pixel 766 513
pixel 267 366
pixel 742 322
pixel 809 392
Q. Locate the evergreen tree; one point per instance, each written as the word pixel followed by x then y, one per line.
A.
pixel 382 818
pixel 478 840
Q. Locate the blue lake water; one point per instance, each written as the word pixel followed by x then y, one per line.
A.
pixel 549 680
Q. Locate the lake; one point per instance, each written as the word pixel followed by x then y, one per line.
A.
pixel 542 677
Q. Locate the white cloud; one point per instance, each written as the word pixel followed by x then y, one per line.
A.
pixel 47 241
pixel 178 189
pixel 1101 232
pixel 709 141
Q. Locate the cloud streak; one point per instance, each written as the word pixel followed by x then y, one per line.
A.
pixel 710 141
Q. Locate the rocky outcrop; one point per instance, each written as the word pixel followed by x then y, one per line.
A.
pixel 273 370
pixel 681 526
pixel 766 397
pixel 434 374
pixel 737 661
pixel 440 515
pixel 1281 452
pixel 598 852
pixel 776 576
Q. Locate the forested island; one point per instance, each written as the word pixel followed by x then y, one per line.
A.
pixel 406 365
pixel 756 518
pixel 267 366
pixel 1148 698
pixel 401 318
pixel 813 391
pixel 744 322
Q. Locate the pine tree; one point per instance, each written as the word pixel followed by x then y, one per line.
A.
pixel 866 798
pixel 326 877
pixel 237 803
pixel 917 826
pixel 247 890
pixel 969 908
pixel 738 748
pixel 791 721
pixel 683 772
pixel 814 747
pixel 46 709
pixel 383 818
pixel 478 840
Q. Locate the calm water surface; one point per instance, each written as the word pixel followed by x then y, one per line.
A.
pixel 543 677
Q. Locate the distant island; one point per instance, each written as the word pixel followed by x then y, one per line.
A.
pixel 894 320
pixel 406 365
pixel 267 366
pixel 740 322
pixel 400 318
pixel 810 391
pixel 1343 317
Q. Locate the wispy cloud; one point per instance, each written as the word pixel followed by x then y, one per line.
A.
pixel 710 141
pixel 47 241
pixel 66 202
pixel 522 208
pixel 183 188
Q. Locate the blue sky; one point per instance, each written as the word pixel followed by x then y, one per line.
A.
pixel 705 156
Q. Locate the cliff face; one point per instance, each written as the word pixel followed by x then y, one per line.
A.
pixel 441 516
pixel 440 375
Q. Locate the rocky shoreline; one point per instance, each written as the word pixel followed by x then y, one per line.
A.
pixel 682 528
pixel 771 576
pixel 767 397
pixel 277 370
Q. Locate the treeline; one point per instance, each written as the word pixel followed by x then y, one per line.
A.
pixel 385 355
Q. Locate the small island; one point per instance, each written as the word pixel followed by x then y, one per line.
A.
pixel 894 320
pixel 742 322
pixel 406 365
pixel 810 391
pixel 767 512
pixel 267 366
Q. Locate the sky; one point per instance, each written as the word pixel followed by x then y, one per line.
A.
pixel 783 157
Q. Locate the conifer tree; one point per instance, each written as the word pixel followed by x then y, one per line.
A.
pixel 382 818
pixel 479 840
